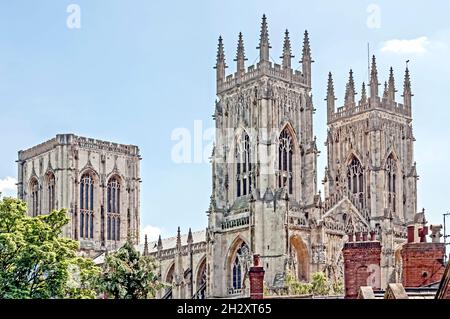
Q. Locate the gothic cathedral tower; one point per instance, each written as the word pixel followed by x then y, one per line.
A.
pixel 371 161
pixel 263 167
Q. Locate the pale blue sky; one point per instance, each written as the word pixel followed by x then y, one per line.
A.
pixel 137 70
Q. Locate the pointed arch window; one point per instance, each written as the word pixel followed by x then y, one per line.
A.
pixel 391 178
pixel 87 206
pixel 285 161
pixel 51 191
pixel 243 166
pixel 238 266
pixel 113 209
pixel 34 191
pixel 355 180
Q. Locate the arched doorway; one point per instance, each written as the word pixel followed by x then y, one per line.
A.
pixel 299 256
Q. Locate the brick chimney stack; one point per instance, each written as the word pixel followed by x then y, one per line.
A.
pixel 422 262
pixel 256 275
pixel 361 264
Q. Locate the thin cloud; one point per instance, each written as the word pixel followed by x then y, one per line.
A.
pixel 152 233
pixel 8 186
pixel 419 45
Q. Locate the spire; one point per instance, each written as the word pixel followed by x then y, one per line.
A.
pixel 391 86
pixel 330 96
pixel 363 94
pixel 287 54
pixel 385 92
pixel 306 58
pixel 190 240
pixel 264 45
pixel 160 246
pixel 220 62
pixel 178 239
pixel 350 91
pixel 374 79
pixel 407 90
pixel 306 54
pixel 145 246
pixel 240 56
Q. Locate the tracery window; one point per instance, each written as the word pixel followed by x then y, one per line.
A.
pixel 34 188
pixel 238 265
pixel 391 177
pixel 113 209
pixel 285 161
pixel 87 207
pixel 355 179
pixel 51 191
pixel 243 166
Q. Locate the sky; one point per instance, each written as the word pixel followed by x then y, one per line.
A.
pixel 137 72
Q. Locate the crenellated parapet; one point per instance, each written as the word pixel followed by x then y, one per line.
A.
pixel 387 102
pixel 80 142
pixel 264 67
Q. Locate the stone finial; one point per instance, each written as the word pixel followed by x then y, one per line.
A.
pixel 350 91
pixel 160 246
pixel 306 54
pixel 391 86
pixel 385 92
pixel 178 239
pixel 330 96
pixel 220 62
pixel 306 59
pixel 374 79
pixel 363 94
pixel 264 45
pixel 240 56
pixel 190 239
pixel 407 89
pixel 287 54
pixel 145 245
pixel 435 233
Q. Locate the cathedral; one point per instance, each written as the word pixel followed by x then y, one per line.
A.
pixel 265 197
pixel 97 182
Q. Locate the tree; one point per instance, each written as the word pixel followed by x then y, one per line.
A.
pixel 294 287
pixel 35 261
pixel 319 286
pixel 129 275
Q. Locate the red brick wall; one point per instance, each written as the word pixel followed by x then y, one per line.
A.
pixel 256 275
pixel 422 263
pixel 361 266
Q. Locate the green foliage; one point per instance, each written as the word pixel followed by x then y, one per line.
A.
pixel 338 287
pixel 320 284
pixel 35 261
pixel 266 290
pixel 129 275
pixel 294 287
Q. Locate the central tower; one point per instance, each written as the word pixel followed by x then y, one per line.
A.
pixel 263 166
